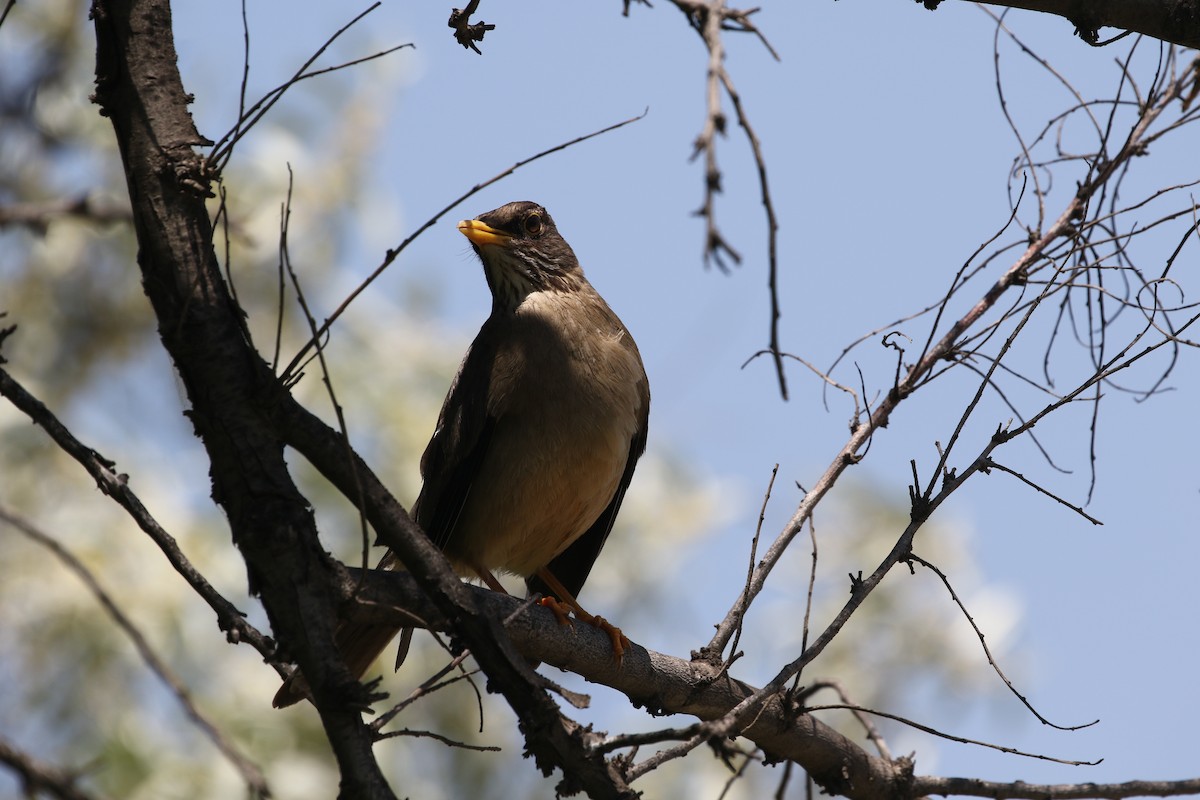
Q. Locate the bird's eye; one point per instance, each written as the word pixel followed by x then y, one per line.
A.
pixel 533 224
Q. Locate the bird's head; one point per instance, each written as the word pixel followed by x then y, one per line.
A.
pixel 522 252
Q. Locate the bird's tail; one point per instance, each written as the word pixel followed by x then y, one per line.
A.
pixel 360 644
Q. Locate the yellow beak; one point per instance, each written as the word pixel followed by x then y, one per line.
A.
pixel 481 234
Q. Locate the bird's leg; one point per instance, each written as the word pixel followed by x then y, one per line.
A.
pixel 487 577
pixel 620 643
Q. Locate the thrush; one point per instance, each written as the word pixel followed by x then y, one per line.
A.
pixel 538 437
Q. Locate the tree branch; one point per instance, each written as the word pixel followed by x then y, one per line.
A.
pixel 139 88
pixel 663 684
pixel 946 345
pixel 1176 21
pixel 116 486
pixel 235 403
pixel 38 777
pixel 39 216
pixel 973 787
pixel 251 774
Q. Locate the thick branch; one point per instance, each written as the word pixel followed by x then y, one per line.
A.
pixel 1176 21
pixel 550 737
pixel 139 88
pixel 973 787
pixel 236 402
pixel 663 684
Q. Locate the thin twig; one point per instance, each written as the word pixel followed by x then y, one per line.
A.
pixel 987 651
pixel 1015 276
pixel 222 149
pixel 285 264
pixel 812 585
pixel 393 253
pixel 709 18
pixel 762 515
pixel 760 164
pixel 1078 510
pixel 951 737
pixel 873 734
pixel 250 772
pixel 446 740
pixel 36 776
pixel 116 486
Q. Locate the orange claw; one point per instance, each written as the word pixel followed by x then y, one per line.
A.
pixel 561 612
pixel 620 642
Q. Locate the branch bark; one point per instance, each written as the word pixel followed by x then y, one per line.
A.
pixel 661 683
pixel 245 418
pixel 665 684
pixel 38 777
pixel 235 403
pixel 139 88
pixel 1176 21
pixel 973 787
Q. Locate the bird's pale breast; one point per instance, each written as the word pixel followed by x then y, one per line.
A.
pixel 528 503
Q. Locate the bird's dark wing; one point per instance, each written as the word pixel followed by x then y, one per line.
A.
pixel 448 466
pixel 572 565
pixel 459 444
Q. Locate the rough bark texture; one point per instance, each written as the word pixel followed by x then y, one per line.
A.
pixel 661 683
pixel 245 419
pixel 236 410
pixel 1175 21
pixel 139 88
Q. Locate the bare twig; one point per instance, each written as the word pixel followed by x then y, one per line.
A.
pixel 116 486
pixel 760 164
pixel 250 772
pixel 38 777
pixel 824 376
pixel 873 734
pixel 812 585
pixel 393 253
pixel 987 651
pixel 762 515
pixel 222 149
pixel 1047 492
pixel 285 264
pixel 924 505
pixel 446 740
pixel 951 737
pixel 709 18
pixel 39 216
pixel 646 737
pixel 947 346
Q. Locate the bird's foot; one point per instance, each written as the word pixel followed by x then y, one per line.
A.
pixel 620 642
pixel 562 613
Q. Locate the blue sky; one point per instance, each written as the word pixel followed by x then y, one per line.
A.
pixel 888 155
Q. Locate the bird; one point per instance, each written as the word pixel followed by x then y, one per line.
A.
pixel 537 439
